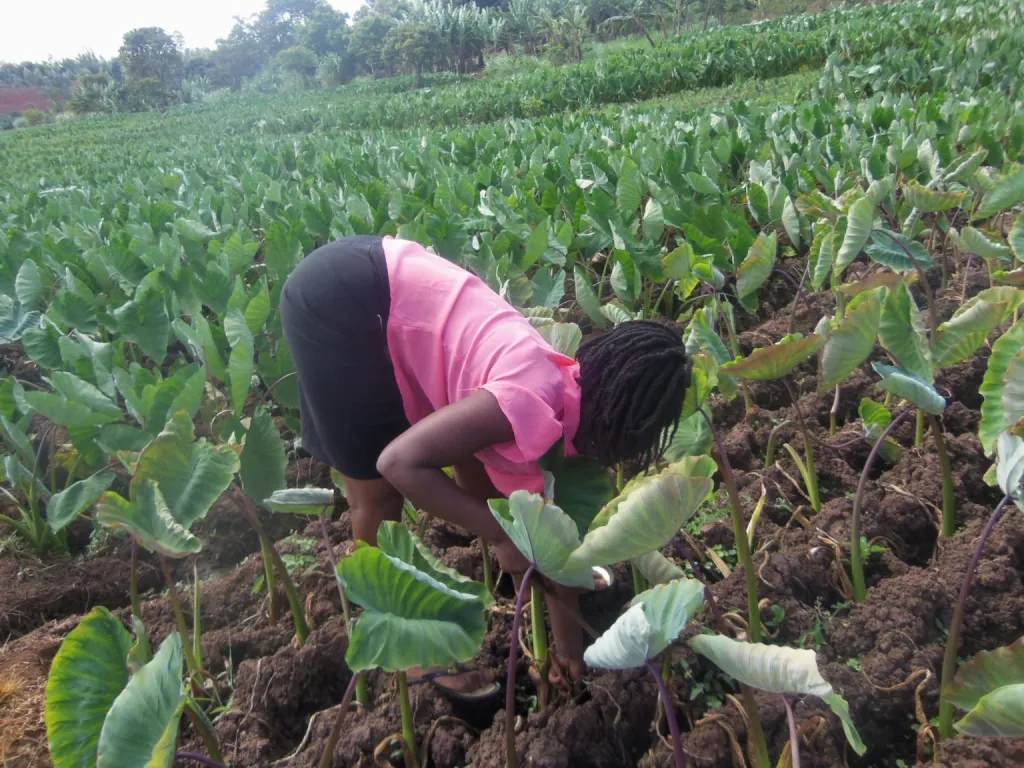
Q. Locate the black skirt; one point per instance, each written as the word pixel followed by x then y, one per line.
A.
pixel 334 308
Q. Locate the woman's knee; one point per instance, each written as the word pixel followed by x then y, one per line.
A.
pixel 371 502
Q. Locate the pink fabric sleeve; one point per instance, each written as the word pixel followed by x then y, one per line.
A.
pixel 533 421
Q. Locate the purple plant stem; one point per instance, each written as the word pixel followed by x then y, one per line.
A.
pixel 949 660
pixel 332 739
pixel 670 715
pixel 794 736
pixel 511 758
pixel 856 557
pixel 201 759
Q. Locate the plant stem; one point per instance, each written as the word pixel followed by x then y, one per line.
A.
pixel 919 429
pixel 332 740
pixel 953 640
pixel 488 573
pixel 812 471
pixel 202 726
pixel 179 617
pixel 856 555
pixel 197 623
pixel 639 582
pixel 948 491
pixel 270 577
pixel 201 759
pixel 511 758
pixel 538 627
pixel 756 742
pixel 794 735
pixel 408 731
pixel 773 437
pixel 739 534
pixel 670 715
pixel 833 424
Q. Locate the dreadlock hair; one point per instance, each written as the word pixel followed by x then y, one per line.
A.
pixel 633 380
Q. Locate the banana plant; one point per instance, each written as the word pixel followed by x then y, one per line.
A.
pixel 417 612
pixel 108 706
pixel 175 481
pixel 652 623
pixel 990 688
pixel 642 519
pixel 1009 470
pixel 781 670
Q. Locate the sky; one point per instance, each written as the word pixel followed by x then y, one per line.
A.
pixel 35 30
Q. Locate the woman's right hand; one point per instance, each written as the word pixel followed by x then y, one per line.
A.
pixel 510 559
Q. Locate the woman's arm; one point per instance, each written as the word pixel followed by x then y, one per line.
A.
pixel 414 461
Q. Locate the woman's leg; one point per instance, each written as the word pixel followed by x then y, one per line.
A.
pixel 371 502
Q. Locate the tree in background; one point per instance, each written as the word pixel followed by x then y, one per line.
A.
pixel 415 44
pixel 153 66
pixel 298 61
pixel 368 35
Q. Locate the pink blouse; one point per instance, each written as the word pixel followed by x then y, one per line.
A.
pixel 449 335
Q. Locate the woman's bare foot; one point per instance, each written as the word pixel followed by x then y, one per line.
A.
pixel 468 684
pixel 560 666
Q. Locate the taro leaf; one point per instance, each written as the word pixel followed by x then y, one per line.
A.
pixel 300 501
pixel 774 362
pixel 627 191
pixel 1010 466
pixel 78 390
pixel 791 221
pixel 757 266
pixel 901 331
pixel 703 379
pixel 140 654
pixel 959 337
pixel 692 438
pixel 410 617
pixel 193 231
pixel 66 506
pixel 263 461
pixel 985 673
pixel 998 715
pixel 545 535
pixel 397 541
pixel 994 419
pixel 68 413
pixel 258 310
pixel 564 338
pixel 144 321
pixel 654 619
pixel 42 345
pixel 909 386
pixel 757 202
pixel 1015 238
pixel 1013 391
pixel 876 418
pixel 887 280
pixel 858 228
pixel 86 676
pixel 930 200
pixel 14 320
pixel 657 568
pixel 777 669
pixel 1006 192
pixel 975 241
pixel 822 256
pixel 963 167
pixel 28 285
pixel 192 474
pixel 891 249
pixel 643 518
pixel 240 362
pixel 582 485
pixel 850 344
pixel 148 518
pixel 141 729
pixel 615 313
pixel 586 297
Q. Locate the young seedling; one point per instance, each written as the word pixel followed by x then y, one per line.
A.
pixel 654 620
pixel 1010 477
pixel 417 612
pixel 641 520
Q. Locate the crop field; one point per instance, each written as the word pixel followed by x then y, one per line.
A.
pixel 825 569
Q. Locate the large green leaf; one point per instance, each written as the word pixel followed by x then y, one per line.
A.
pixel 1013 391
pixel 777 669
pixel 262 461
pixel 692 438
pixel 930 200
pixel 1006 192
pixel 911 387
pixel 192 474
pixel 545 535
pixel 144 321
pixel 876 418
pixel 148 519
pixel 141 730
pixel 654 619
pixel 643 518
pixel 240 362
pixel 1010 465
pixel 901 331
pixel 776 361
pixel 959 337
pixel 28 285
pixel 586 297
pixel 703 378
pixel 564 338
pixel 821 258
pixel 410 618
pixel 986 672
pixel 86 676
pixel 299 501
pixel 68 413
pixel 1015 238
pixel 582 485
pixel 859 219
pixel 397 541
pixel 657 568
pixel 894 250
pixel 757 266
pixel 1000 714
pixel 994 419
pixel 849 345
pixel 975 241
pixel 66 506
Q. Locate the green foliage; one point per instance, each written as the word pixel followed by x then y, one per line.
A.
pixel 991 688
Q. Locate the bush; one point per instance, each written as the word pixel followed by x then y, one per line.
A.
pixel 20 122
pixel 6 123
pixel 34 116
